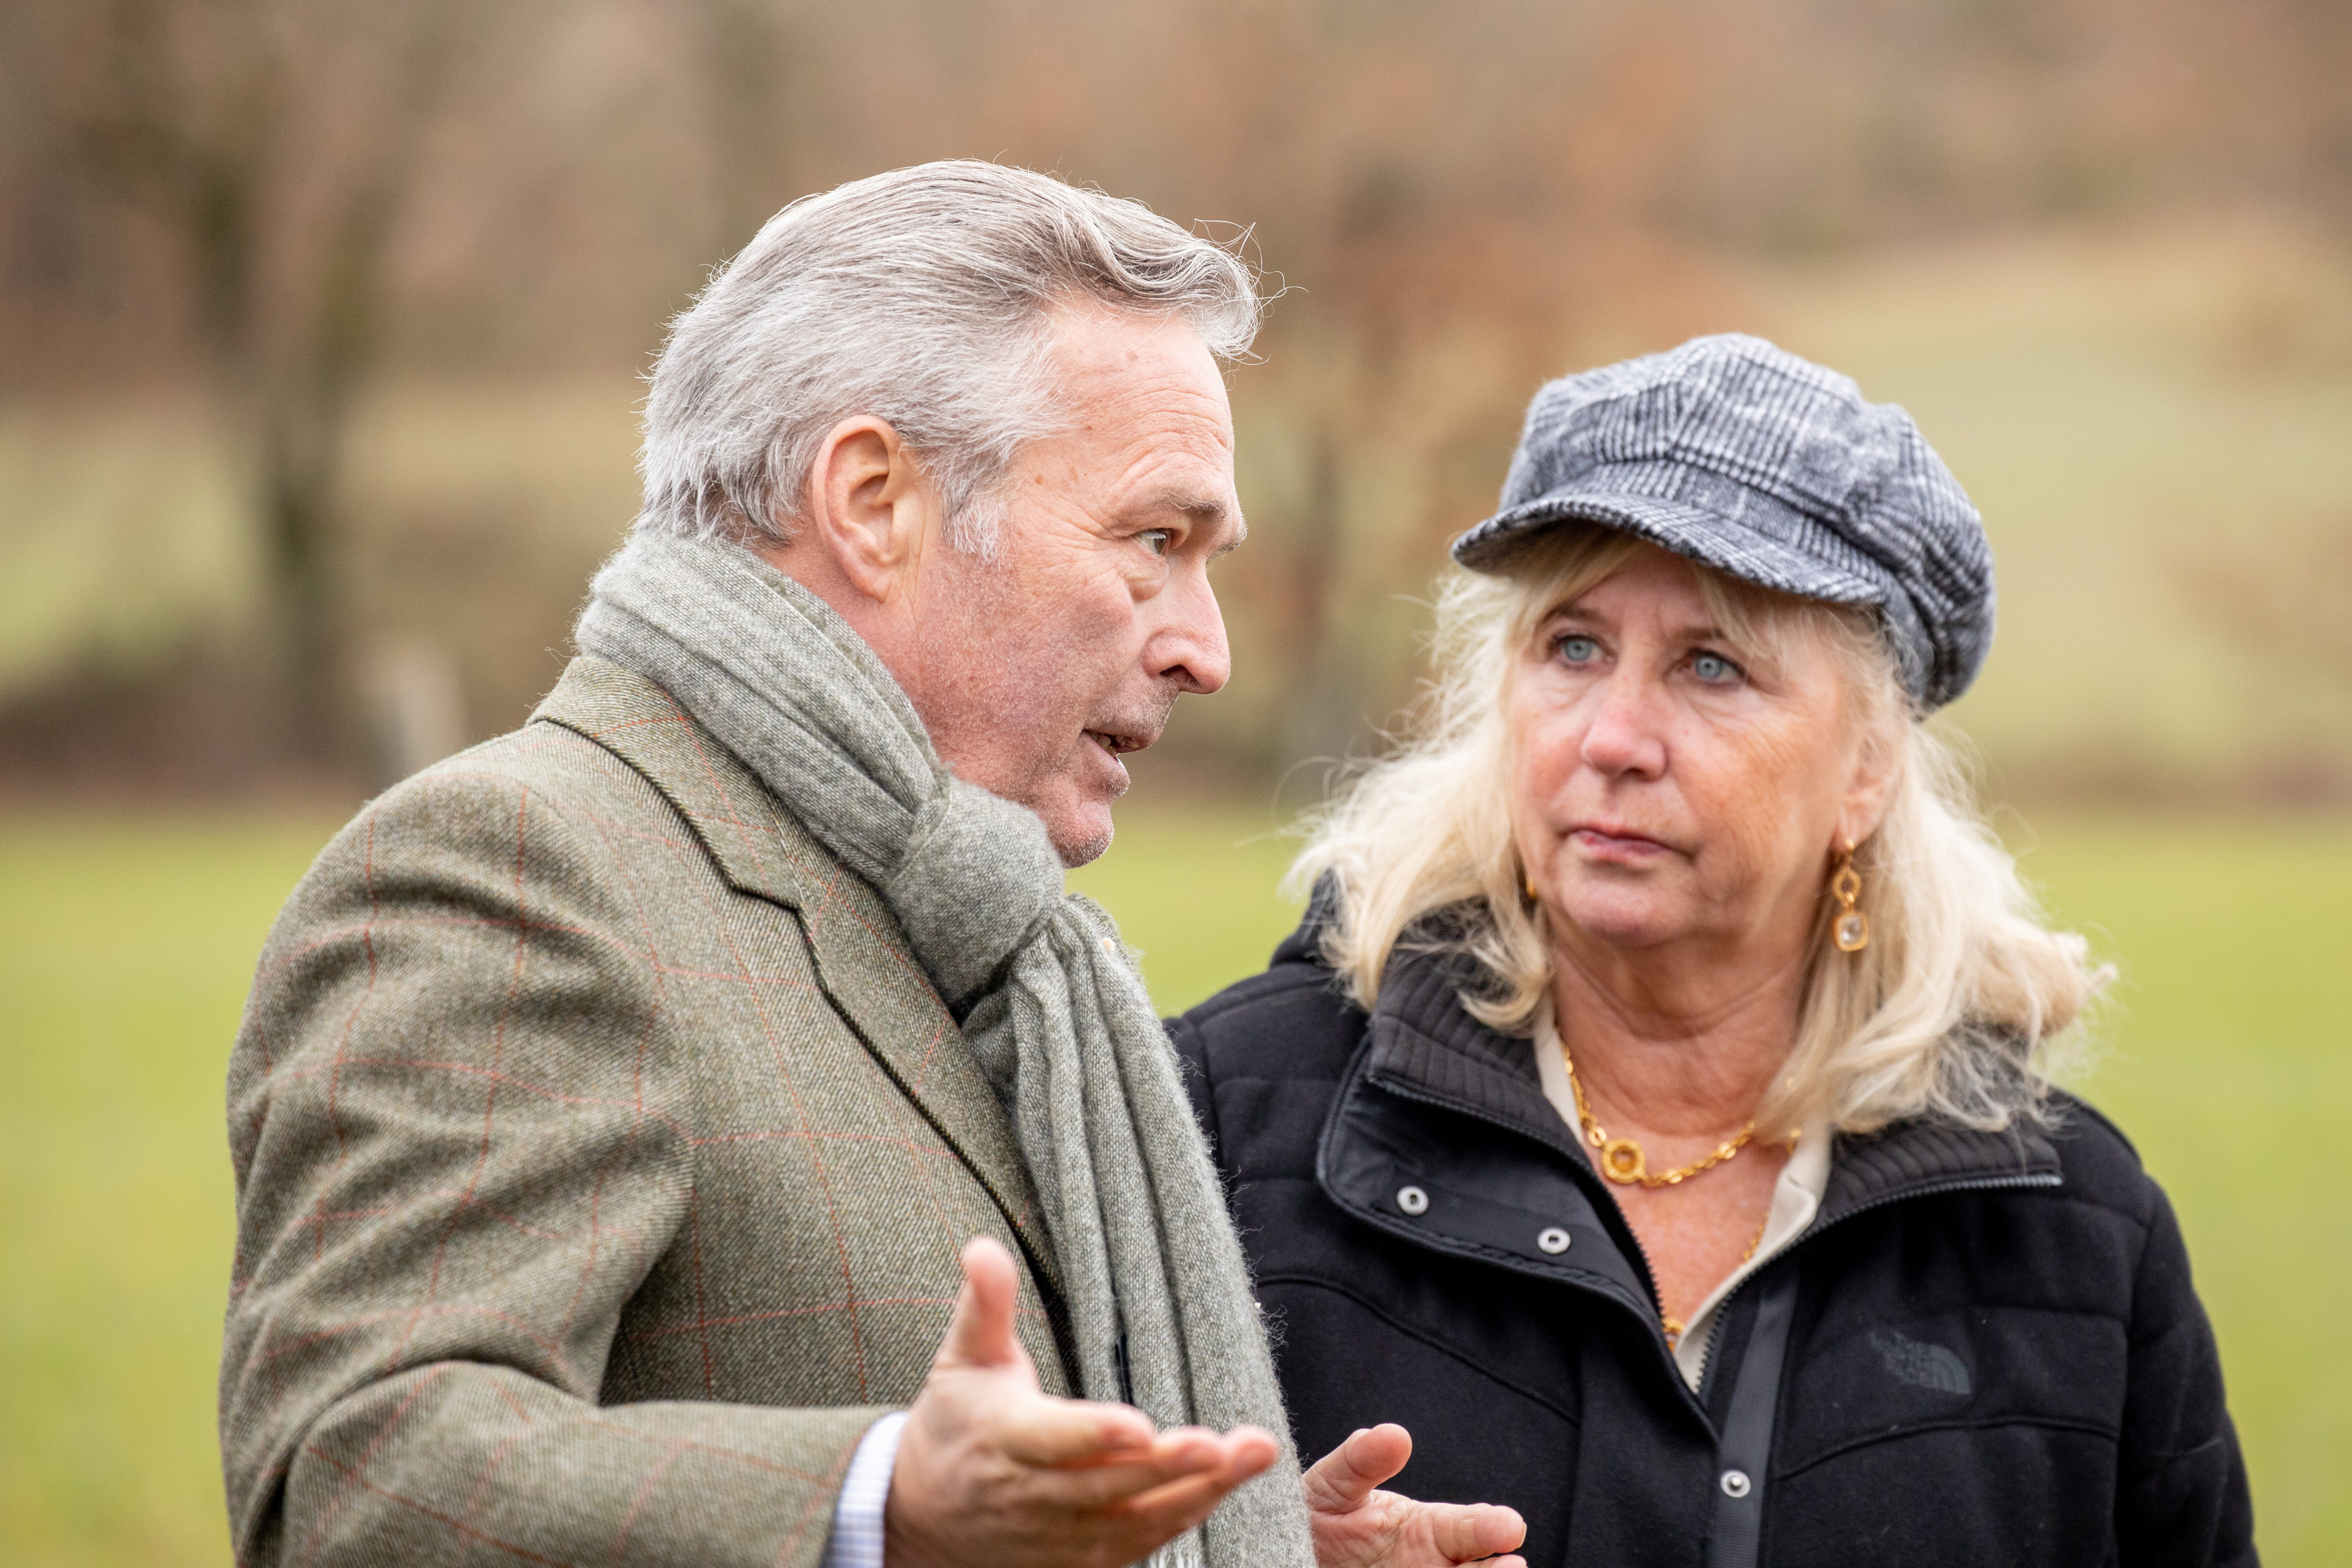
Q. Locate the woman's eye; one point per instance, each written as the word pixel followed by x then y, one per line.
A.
pixel 1155 540
pixel 1715 669
pixel 1578 649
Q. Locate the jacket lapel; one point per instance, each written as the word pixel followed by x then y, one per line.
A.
pixel 863 958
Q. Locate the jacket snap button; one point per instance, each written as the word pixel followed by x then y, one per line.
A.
pixel 1413 1200
pixel 1553 1240
pixel 1735 1483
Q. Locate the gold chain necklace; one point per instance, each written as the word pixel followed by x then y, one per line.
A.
pixel 1622 1160
pixel 1673 1326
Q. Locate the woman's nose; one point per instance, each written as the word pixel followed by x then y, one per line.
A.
pixel 1624 734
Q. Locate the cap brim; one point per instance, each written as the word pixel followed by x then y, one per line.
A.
pixel 1693 533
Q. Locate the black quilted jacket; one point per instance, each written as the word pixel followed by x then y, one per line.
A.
pixel 1985 1349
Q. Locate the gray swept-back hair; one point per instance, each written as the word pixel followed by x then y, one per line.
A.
pixel 923 296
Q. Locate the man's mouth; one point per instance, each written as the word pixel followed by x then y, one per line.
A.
pixel 1117 744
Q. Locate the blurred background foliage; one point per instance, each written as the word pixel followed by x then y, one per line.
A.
pixel 322 320
pixel 320 324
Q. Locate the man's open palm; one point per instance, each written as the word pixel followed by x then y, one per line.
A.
pixel 992 1470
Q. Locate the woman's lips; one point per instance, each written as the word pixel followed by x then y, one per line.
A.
pixel 1615 844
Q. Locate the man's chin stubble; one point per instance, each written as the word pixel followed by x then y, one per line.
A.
pixel 1076 840
pixel 1074 856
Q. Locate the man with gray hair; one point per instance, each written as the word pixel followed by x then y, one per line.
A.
pixel 696 1128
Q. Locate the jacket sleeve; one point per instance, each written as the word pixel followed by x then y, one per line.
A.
pixel 457 1118
pixel 2180 1487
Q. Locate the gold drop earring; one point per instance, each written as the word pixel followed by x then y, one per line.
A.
pixel 1852 929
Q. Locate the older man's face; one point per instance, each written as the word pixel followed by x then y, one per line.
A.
pixel 1036 671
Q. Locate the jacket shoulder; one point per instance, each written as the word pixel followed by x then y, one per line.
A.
pixel 1262 1060
pixel 541 804
pixel 531 797
pixel 1291 1021
pixel 556 764
pixel 2098 1163
pixel 524 833
pixel 1294 1020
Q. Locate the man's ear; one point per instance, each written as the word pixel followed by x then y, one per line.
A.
pixel 869 508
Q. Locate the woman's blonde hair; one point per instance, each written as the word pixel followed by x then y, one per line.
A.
pixel 1947 1013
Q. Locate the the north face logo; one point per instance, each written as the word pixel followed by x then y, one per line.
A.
pixel 1920 1364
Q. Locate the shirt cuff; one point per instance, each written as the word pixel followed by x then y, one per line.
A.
pixel 856 1538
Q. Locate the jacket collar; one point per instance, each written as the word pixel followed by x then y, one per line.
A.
pixel 864 961
pixel 1423 1044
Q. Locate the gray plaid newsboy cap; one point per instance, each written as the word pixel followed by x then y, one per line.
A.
pixel 1744 457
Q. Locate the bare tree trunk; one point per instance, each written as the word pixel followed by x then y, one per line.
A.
pixel 302 426
pixel 206 137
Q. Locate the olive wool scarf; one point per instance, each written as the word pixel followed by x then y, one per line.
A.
pixel 1049 999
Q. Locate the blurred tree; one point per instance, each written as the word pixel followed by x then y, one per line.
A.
pixel 1460 200
pixel 749 68
pixel 276 140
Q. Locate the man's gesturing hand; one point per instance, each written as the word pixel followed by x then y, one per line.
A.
pixel 1357 1526
pixel 991 1470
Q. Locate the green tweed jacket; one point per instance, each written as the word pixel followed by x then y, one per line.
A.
pixel 603 1159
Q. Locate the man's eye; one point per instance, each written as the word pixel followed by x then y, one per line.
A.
pixel 1716 669
pixel 1155 540
pixel 1579 649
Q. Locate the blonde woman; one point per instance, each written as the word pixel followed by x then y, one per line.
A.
pixel 1653 1113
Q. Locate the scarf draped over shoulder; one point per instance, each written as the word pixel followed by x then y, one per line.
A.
pixel 1049 999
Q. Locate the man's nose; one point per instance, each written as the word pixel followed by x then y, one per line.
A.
pixel 1625 733
pixel 1189 649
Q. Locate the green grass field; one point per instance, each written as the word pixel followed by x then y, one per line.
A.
pixel 126 944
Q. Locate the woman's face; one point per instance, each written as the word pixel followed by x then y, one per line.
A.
pixel 1666 788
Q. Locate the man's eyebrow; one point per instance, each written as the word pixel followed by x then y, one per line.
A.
pixel 1206 510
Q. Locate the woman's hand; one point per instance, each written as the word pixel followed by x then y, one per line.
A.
pixel 1359 1526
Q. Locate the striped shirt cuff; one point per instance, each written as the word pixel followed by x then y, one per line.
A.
pixel 856 1538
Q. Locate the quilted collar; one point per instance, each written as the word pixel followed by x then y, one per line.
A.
pixel 1423 1044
